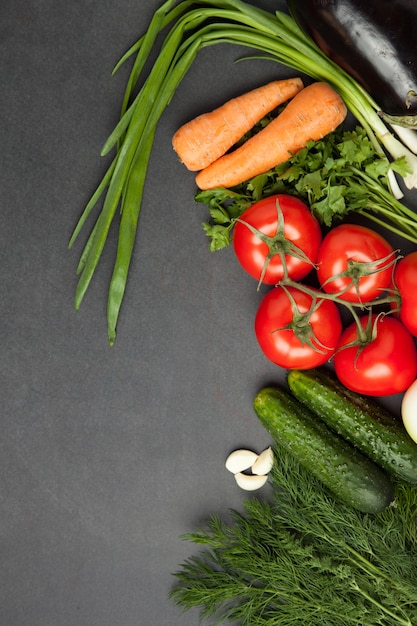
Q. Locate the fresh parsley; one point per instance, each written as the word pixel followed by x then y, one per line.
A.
pixel 340 174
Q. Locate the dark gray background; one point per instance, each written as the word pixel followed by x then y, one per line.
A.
pixel 109 455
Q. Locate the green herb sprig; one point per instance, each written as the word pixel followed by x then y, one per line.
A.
pixel 336 176
pixel 304 558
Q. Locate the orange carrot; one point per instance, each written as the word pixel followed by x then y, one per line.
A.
pixel 210 135
pixel 310 115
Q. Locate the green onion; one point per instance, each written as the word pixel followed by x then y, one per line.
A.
pixel 192 26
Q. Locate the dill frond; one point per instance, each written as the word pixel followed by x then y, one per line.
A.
pixel 304 558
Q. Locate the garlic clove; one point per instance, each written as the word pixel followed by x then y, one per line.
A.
pixel 264 462
pixel 240 460
pixel 250 482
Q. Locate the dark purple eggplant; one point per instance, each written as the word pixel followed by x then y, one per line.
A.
pixel 374 41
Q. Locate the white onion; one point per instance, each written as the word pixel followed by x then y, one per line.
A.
pixel 409 410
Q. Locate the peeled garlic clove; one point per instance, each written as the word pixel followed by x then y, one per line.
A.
pixel 250 482
pixel 240 460
pixel 264 462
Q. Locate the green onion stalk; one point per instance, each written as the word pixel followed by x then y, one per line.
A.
pixel 190 27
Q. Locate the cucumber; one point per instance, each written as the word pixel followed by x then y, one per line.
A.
pixel 342 468
pixel 363 422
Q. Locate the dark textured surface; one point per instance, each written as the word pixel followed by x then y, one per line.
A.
pixel 108 455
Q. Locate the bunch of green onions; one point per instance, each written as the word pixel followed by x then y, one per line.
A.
pixel 190 27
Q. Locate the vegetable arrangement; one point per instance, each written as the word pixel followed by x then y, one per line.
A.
pixel 204 139
pixel 351 475
pixel 299 325
pixel 313 113
pixel 374 42
pixel 192 27
pixel 337 545
pixel 276 167
pixel 340 175
pixel 304 558
pixel 360 420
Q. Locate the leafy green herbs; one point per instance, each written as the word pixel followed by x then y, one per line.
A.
pixel 341 174
pixel 304 559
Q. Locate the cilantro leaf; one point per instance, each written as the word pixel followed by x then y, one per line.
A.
pixel 337 175
pixel 219 236
pixel 331 206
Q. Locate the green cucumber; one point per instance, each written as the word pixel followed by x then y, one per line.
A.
pixel 342 468
pixel 360 420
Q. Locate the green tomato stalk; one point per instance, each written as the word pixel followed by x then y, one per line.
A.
pixel 279 245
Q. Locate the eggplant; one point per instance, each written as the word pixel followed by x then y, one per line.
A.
pixel 372 40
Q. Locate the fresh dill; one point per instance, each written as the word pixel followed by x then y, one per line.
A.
pixel 303 558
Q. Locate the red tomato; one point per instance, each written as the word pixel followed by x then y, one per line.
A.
pixel 405 279
pixel 283 329
pixel 343 251
pixel 300 229
pixel 385 366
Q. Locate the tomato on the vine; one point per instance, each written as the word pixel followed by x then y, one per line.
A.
pixel 295 329
pixel 280 224
pixel 405 279
pixel 355 262
pixel 386 365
